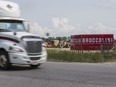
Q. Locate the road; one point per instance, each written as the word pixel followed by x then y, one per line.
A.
pixel 61 75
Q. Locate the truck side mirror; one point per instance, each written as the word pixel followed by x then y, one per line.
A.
pixel 27 26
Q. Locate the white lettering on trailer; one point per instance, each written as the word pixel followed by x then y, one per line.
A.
pixel 87 40
pixel 92 40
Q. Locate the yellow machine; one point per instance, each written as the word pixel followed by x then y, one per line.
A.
pixel 56 43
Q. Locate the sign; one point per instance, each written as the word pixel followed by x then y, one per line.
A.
pixel 92 42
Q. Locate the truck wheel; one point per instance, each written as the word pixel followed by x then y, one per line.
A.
pixel 35 66
pixel 4 60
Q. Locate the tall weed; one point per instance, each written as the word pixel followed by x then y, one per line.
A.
pixel 70 56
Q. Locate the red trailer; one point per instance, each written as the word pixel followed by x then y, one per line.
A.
pixel 92 42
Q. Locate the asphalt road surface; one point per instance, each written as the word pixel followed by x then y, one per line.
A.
pixel 61 75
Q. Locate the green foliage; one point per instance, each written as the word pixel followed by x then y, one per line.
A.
pixel 71 56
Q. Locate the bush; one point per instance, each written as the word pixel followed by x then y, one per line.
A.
pixel 70 56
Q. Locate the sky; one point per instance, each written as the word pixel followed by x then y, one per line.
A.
pixel 70 17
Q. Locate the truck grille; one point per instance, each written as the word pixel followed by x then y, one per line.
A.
pixel 34 46
pixel 35 58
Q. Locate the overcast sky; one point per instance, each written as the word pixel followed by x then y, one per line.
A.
pixel 68 17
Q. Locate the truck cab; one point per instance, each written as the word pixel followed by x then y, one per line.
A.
pixel 17 45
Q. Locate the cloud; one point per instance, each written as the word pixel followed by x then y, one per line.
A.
pixel 62 26
pixel 38 29
pixel 61 23
pixel 101 28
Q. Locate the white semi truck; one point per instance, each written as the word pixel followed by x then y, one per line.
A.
pixel 17 45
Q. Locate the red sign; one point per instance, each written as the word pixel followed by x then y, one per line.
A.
pixel 92 42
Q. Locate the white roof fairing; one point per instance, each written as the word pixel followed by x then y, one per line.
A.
pixel 12 18
pixel 9 9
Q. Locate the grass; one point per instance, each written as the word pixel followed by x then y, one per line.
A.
pixel 70 56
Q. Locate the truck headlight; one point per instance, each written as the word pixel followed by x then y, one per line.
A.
pixel 15 49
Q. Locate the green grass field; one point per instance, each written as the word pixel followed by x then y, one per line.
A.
pixel 74 56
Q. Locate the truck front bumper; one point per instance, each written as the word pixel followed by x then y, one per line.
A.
pixel 23 58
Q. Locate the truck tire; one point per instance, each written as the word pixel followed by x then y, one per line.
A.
pixel 35 66
pixel 4 60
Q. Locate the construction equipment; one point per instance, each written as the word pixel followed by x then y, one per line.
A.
pixel 58 42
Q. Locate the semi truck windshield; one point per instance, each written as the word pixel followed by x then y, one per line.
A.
pixel 11 25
